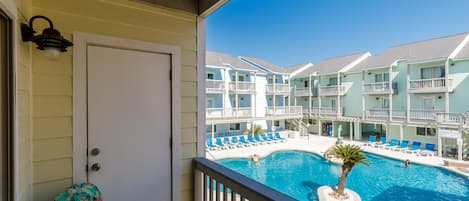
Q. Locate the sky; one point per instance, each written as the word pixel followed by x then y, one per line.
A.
pixel 288 32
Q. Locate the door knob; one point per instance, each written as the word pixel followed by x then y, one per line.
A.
pixel 96 167
pixel 95 151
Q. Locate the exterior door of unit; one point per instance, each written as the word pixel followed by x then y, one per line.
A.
pixel 428 103
pixel 4 107
pixel 129 123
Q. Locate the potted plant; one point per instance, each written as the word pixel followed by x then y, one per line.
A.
pixel 257 130
pixel 350 155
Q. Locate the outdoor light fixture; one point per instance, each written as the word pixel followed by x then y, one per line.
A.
pixel 51 41
pixel 369 73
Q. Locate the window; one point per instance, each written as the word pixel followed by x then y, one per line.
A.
pixel 210 103
pixel 235 127
pixel 432 72
pixel 382 77
pixel 241 78
pixel 426 131
pixel 333 103
pixel 306 83
pixel 277 123
pixel 210 76
pixel 384 102
pixel 332 81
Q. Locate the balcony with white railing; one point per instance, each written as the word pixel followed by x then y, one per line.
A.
pixel 399 114
pixel 284 111
pixel 330 111
pixel 306 91
pixel 214 182
pixel 423 115
pixel 377 88
pixel 277 89
pixel 377 113
pixel 214 86
pixel 450 118
pixel 433 85
pixel 242 87
pixel 228 113
pixel 336 90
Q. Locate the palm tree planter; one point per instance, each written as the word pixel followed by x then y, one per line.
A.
pixel 350 155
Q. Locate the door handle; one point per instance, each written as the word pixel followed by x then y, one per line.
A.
pixel 96 167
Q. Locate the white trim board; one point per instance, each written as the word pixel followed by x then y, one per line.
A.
pixel 81 41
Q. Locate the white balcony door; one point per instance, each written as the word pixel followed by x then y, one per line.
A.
pixel 129 121
pixel 428 103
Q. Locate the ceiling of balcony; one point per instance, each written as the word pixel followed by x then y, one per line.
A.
pixel 198 7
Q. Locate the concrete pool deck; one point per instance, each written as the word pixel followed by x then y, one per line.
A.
pixel 319 144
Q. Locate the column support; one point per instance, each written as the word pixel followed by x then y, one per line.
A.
pixel 440 143
pixel 390 92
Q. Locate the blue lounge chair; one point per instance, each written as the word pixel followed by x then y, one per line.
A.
pixel 227 142
pixel 371 140
pixel 429 150
pixel 252 140
pixel 392 144
pixel 219 143
pixel 264 137
pixel 235 140
pixel 258 138
pixel 271 136
pixel 382 142
pixel 243 141
pixel 277 135
pixel 403 145
pixel 414 148
pixel 209 144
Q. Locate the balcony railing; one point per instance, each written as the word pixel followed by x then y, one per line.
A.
pixel 336 90
pixel 307 91
pixel 429 115
pixel 289 111
pixel 430 85
pixel 331 111
pixel 213 182
pixel 222 113
pixel 277 89
pixel 452 118
pixel 399 113
pixel 377 113
pixel 243 87
pixel 214 86
pixel 379 88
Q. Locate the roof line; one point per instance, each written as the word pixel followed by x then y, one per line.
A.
pixel 459 47
pixel 420 41
pixel 355 62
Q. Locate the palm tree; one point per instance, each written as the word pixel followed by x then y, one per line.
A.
pixel 257 130
pixel 351 155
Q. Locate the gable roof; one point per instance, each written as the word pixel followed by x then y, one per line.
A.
pixel 464 53
pixel 427 50
pixel 223 60
pixel 263 65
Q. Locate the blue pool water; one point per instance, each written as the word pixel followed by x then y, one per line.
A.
pixel 299 174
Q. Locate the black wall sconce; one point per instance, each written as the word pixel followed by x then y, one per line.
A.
pixel 377 98
pixel 369 73
pixel 439 97
pixel 51 41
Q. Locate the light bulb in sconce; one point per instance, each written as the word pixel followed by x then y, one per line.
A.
pixel 51 53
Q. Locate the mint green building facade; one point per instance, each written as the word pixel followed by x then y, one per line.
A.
pixel 416 92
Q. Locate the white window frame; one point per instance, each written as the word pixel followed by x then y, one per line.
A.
pixel 426 132
pixel 383 76
pixel 434 70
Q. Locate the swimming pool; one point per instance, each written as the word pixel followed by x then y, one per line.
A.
pixel 299 174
